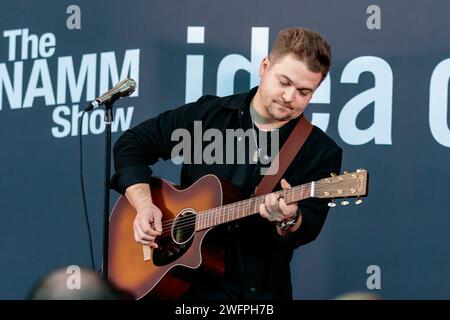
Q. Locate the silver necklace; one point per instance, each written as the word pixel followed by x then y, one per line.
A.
pixel 257 152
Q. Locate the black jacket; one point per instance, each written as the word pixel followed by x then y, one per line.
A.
pixel 261 257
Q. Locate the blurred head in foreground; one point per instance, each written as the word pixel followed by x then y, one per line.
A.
pixel 358 296
pixel 75 283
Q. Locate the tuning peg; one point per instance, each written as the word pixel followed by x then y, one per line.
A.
pixel 333 174
pixel 345 172
pixel 344 202
pixel 331 204
pixel 358 201
pixel 359 170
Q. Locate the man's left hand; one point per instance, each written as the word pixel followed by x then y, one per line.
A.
pixel 275 208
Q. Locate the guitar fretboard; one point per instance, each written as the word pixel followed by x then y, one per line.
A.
pixel 234 211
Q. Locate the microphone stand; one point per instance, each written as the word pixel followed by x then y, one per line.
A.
pixel 108 122
pixel 123 88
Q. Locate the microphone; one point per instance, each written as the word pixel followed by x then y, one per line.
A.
pixel 122 89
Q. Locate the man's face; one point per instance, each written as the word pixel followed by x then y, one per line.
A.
pixel 286 87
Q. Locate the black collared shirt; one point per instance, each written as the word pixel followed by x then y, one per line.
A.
pixel 258 259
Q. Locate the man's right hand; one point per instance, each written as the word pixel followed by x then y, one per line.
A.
pixel 147 225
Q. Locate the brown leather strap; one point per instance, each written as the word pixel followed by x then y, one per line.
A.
pixel 284 158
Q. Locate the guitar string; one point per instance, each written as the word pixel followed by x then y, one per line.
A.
pixel 216 214
pixel 231 207
pixel 188 224
pixel 220 213
pixel 223 211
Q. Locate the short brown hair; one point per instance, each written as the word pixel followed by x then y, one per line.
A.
pixel 307 45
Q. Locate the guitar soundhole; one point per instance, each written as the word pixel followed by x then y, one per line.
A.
pixel 174 246
pixel 183 227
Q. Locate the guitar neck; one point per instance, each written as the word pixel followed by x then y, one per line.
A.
pixel 238 210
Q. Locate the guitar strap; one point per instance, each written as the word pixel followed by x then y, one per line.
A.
pixel 284 158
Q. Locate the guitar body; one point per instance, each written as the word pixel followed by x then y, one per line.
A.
pixel 179 245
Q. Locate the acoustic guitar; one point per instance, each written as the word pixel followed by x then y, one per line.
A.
pixel 188 215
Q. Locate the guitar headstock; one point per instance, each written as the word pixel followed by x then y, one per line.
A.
pixel 347 185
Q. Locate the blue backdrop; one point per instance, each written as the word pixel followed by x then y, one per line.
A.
pixel 385 102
